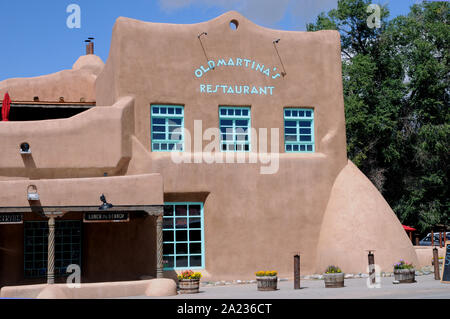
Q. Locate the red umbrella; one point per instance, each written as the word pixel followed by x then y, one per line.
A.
pixel 407 228
pixel 6 106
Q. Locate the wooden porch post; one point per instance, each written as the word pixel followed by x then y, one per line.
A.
pixel 51 251
pixel 159 247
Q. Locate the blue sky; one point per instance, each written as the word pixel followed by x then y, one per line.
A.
pixel 36 40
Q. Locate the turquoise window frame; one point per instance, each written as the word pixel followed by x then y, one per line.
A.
pixel 188 242
pixel 160 113
pixel 296 134
pixel 236 115
pixel 68 245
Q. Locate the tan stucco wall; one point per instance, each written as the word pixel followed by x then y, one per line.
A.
pixel 76 85
pixel 358 219
pixel 252 221
pixel 89 144
pixel 135 190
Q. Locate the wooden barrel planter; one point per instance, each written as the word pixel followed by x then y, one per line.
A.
pixel 405 276
pixel 267 283
pixel 335 280
pixel 189 286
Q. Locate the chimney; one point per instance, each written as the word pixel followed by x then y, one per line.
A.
pixel 89 46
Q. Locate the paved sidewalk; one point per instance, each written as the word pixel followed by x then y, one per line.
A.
pixel 425 287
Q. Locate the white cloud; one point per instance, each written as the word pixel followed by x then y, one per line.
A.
pixel 306 11
pixel 265 12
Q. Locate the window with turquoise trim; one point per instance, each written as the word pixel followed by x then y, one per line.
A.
pixel 299 130
pixel 67 247
pixel 183 236
pixel 235 129
pixel 167 128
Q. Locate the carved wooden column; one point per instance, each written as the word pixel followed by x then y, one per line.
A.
pixel 51 245
pixel 159 247
pixel 51 251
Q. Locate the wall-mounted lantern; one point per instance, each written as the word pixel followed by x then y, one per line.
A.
pixel 105 205
pixel 25 148
pixel 32 193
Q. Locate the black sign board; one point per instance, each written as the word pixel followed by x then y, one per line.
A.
pixel 109 217
pixel 446 266
pixel 11 218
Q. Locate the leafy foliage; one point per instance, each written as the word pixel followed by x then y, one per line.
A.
pixel 403 265
pixel 263 273
pixel 333 270
pixel 189 274
pixel 396 90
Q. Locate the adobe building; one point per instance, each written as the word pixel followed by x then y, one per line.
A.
pixel 167 207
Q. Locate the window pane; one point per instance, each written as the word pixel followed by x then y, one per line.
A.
pixel 195 248
pixel 167 127
pixel 168 236
pixel 194 210
pixel 242 123
pixel 305 138
pixel 168 249
pixel 290 130
pixel 195 235
pixel 184 244
pixel 157 136
pixel 181 210
pixel 168 223
pixel 181 261
pixel 182 248
pixel 159 128
pixel 194 222
pixel 291 138
pixel 181 235
pixel 168 210
pixel 160 121
pixel 298 132
pixel 181 222
pixel 168 261
pixel 305 131
pixel 305 123
pixel 177 122
pixel 290 123
pixel 196 261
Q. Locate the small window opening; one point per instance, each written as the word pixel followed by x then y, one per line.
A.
pixel 234 24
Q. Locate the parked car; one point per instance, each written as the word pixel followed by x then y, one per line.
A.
pixel 426 241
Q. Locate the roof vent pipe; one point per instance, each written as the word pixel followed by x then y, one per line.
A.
pixel 89 46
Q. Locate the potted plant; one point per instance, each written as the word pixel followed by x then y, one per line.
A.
pixel 189 282
pixel 333 277
pixel 404 272
pixel 266 280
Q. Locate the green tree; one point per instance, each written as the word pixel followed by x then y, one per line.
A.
pixel 396 87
